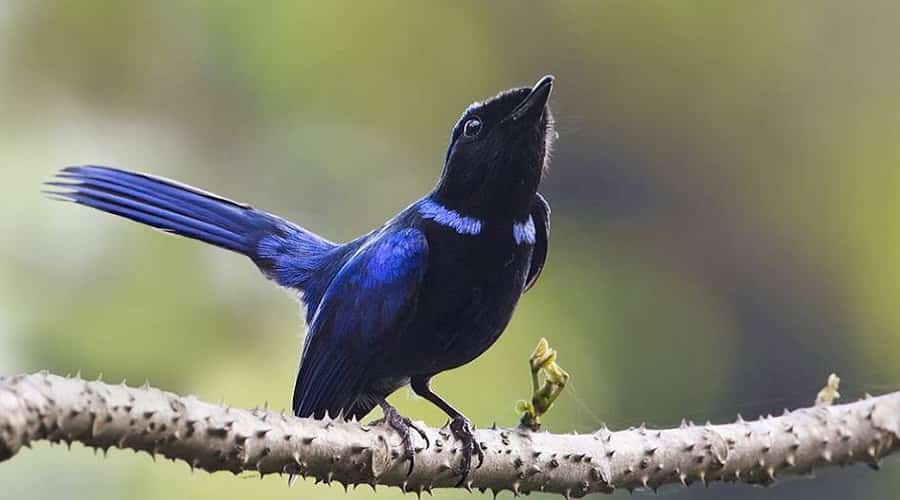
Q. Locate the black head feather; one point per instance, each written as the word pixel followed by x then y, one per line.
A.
pixel 498 154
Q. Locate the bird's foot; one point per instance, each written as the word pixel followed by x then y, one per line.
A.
pixel 402 425
pixel 463 431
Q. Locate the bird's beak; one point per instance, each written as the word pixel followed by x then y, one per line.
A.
pixel 536 99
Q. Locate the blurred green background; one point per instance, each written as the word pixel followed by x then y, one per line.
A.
pixel 724 191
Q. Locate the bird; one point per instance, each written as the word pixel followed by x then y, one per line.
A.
pixel 428 291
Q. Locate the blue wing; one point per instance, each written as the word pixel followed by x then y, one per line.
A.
pixel 369 301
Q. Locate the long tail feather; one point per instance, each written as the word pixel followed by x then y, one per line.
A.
pixel 285 252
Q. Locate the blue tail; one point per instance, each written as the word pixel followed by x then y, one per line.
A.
pixel 285 252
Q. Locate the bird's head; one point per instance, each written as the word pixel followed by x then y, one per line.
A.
pixel 498 153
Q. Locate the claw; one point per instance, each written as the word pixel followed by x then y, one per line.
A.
pixel 402 425
pixel 462 430
pixel 412 425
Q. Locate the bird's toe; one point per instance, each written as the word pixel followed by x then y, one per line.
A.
pixel 462 429
pixel 403 425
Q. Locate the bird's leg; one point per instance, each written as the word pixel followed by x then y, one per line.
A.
pixel 460 426
pixel 402 425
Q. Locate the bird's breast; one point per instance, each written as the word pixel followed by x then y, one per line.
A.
pixel 470 290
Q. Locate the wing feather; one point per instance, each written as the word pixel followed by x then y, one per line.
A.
pixel 540 214
pixel 370 300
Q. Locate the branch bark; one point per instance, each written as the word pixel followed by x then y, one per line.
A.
pixel 215 438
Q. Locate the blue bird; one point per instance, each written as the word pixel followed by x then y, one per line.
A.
pixel 428 291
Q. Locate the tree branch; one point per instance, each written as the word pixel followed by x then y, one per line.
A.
pixel 214 438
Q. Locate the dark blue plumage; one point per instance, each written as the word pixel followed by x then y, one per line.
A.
pixel 428 291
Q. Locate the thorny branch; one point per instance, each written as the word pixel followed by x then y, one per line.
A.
pixel 211 437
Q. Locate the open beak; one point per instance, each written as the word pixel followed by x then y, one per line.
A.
pixel 536 99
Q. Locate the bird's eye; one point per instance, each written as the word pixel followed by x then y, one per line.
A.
pixel 472 127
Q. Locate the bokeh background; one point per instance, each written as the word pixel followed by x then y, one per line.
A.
pixel 724 191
